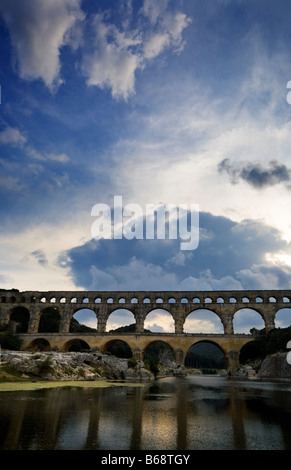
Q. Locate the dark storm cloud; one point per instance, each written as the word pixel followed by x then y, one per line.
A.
pixel 230 255
pixel 256 174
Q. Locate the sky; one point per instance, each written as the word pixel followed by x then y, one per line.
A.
pixel 157 102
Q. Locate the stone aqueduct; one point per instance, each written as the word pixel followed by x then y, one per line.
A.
pixel 140 303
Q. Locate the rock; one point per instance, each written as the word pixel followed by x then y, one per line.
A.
pixel 246 372
pixel 75 366
pixel 180 371
pixel 275 366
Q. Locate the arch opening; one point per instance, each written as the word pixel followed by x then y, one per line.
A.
pixel 76 345
pixel 159 354
pixel 118 348
pixel 159 321
pixel 247 319
pixel 206 356
pixel 19 319
pixel 39 344
pixel 84 320
pixel 121 320
pixel 283 318
pixel 203 321
pixel 49 321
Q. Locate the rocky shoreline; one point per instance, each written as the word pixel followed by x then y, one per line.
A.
pixel 273 366
pixel 79 366
pixel 74 366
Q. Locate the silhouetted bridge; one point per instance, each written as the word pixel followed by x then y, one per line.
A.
pixel 28 307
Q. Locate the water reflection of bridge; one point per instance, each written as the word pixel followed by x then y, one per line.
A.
pixel 28 308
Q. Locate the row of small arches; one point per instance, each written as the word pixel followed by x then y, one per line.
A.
pixel 134 300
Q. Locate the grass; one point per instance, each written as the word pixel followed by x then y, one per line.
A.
pixel 23 386
pixel 12 381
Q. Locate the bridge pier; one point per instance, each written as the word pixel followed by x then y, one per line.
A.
pixel 232 361
pixel 179 357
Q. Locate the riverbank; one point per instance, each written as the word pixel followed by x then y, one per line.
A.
pixel 28 367
pixel 37 385
pixel 273 366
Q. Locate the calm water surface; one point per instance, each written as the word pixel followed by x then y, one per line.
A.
pixel 172 414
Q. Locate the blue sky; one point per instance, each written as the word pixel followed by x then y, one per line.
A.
pixel 164 101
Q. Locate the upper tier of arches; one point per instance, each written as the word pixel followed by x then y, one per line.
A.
pixel 143 297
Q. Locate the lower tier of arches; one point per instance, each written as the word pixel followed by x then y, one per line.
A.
pixel 137 344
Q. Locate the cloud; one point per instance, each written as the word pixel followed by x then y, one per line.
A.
pixel 118 52
pixel 236 256
pixel 112 63
pixel 137 274
pixel 38 31
pixel 40 256
pixel 11 183
pixel 256 174
pixel 169 31
pixel 12 136
pixel 61 158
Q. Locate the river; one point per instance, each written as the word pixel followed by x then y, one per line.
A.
pixel 191 413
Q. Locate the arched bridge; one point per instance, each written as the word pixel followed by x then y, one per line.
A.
pixel 33 304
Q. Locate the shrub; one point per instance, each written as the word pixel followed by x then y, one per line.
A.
pixel 10 340
pixel 132 362
pixel 264 344
pixel 46 366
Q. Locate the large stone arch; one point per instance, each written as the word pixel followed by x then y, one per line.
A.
pixel 75 344
pixel 87 313
pixel 285 320
pixel 213 344
pixel 197 311
pixel 250 311
pixel 49 320
pixel 156 348
pixel 19 319
pixel 118 347
pixel 160 312
pixel 39 344
pixel 120 312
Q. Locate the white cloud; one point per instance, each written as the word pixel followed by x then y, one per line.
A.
pixel 154 10
pixel 160 321
pixel 11 183
pixel 179 148
pixel 203 322
pixel 117 54
pixel 137 274
pixel 206 281
pixel 30 257
pixel 38 31
pixel 155 44
pixel 62 157
pixel 169 33
pixel 112 64
pixel 12 136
